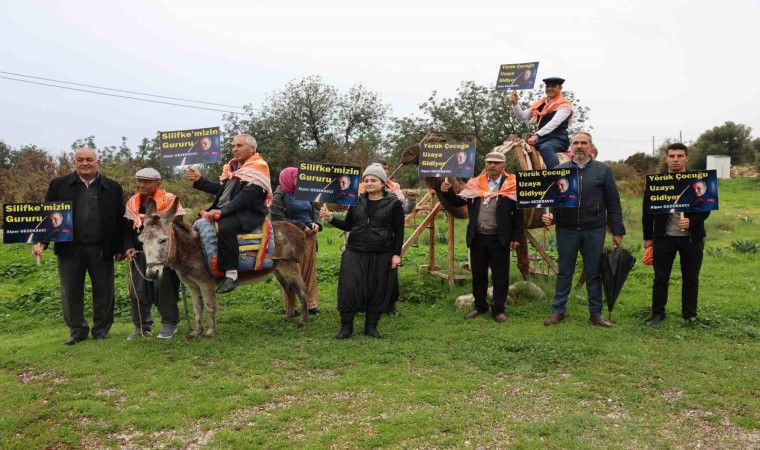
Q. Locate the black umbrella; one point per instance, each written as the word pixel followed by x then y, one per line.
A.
pixel 616 265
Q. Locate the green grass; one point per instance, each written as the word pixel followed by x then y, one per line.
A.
pixel 433 381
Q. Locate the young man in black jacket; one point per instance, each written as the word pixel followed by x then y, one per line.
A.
pixel 672 233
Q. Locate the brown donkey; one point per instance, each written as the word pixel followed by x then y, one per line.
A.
pixel 169 241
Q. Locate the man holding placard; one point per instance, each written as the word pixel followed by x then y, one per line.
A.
pixel 551 114
pixel 495 226
pixel 672 233
pixel 583 229
pixel 241 202
pixel 98 206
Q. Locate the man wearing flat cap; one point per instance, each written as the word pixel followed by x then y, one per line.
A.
pixel 495 226
pixel 552 115
pixel 164 292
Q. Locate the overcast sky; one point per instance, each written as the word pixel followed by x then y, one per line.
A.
pixel 644 68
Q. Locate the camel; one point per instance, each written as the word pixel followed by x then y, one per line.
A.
pixel 169 241
pixel 527 158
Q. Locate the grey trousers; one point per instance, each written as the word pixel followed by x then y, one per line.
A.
pixel 164 293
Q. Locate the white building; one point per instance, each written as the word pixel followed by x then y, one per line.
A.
pixel 721 164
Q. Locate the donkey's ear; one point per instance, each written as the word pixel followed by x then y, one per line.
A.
pixel 172 211
pixel 150 206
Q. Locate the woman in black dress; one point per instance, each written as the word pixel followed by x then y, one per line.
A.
pixel 367 269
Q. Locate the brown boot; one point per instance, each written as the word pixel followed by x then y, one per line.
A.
pixel 599 321
pixel 554 319
pixel 472 314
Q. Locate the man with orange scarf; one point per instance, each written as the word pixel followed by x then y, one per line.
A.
pixel 243 195
pixel 495 226
pixel 164 292
pixel 551 115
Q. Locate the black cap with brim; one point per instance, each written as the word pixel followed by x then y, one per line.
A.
pixel 554 80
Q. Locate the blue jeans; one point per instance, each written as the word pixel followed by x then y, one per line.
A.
pixel 591 244
pixel 549 146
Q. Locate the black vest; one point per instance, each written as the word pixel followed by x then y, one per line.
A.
pixel 560 131
pixel 375 233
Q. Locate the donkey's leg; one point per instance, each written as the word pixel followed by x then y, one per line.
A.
pixel 288 273
pixel 209 300
pixel 196 295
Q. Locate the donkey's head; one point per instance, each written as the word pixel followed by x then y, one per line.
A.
pixel 157 238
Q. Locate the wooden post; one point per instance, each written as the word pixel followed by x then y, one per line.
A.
pixel 451 250
pixel 431 264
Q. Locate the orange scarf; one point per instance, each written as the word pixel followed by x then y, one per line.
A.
pixel 559 102
pixel 163 199
pixel 254 171
pixel 478 187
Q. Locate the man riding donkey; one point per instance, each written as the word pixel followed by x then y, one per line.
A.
pixel 241 204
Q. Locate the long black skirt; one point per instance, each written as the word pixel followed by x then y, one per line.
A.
pixel 366 282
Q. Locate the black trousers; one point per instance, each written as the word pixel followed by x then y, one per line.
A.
pixel 229 228
pixel 164 293
pixel 665 249
pixel 485 252
pixel 87 259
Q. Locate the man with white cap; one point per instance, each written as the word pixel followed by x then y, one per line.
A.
pixel 551 115
pixel 495 226
pixel 144 293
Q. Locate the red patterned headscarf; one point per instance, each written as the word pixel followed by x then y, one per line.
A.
pixel 288 179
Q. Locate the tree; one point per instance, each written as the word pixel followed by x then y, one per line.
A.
pixel 643 163
pixel 26 178
pixel 310 120
pixel 729 139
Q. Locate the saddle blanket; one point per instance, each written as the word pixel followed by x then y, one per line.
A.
pixel 256 247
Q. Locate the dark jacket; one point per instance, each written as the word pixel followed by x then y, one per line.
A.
pixel 655 224
pixel 509 219
pixel 598 202
pixel 110 205
pixel 280 210
pixel 247 201
pixel 376 233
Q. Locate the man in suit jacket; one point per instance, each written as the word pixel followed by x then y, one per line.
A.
pixel 495 226
pixel 241 202
pixel 98 207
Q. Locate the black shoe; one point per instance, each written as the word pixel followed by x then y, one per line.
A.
pixel 227 285
pixel 372 332
pixel 345 332
pixel 654 319
pixel 314 311
pixel 73 340
pixel 100 337
pixel 695 322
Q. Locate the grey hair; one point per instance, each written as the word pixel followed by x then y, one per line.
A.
pixel 87 148
pixel 587 134
pixel 250 140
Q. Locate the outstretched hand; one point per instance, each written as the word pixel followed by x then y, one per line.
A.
pixel 324 213
pixel 193 174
